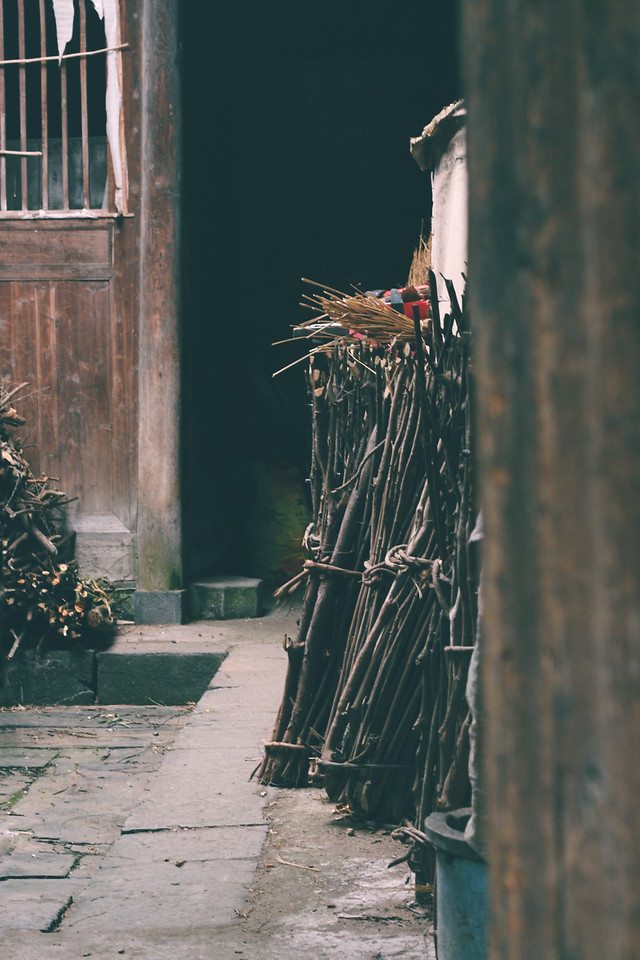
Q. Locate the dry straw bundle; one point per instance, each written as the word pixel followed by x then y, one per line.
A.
pixel 341 314
pixel 359 316
pixel 420 264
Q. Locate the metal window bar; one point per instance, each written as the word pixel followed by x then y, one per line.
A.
pixel 83 108
pixel 60 173
pixel 123 142
pixel 44 125
pixel 64 134
pixel 23 109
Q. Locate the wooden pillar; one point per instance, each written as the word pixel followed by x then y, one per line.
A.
pixel 159 527
pixel 552 91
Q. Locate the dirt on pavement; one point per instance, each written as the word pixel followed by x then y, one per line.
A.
pixel 324 889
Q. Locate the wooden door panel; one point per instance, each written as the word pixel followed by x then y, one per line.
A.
pixel 67 330
pixel 55 250
pixel 28 356
pixel 55 337
pixel 80 312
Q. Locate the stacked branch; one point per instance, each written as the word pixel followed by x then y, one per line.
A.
pixel 43 601
pixel 374 703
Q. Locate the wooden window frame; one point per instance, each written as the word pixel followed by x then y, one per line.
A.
pixel 114 176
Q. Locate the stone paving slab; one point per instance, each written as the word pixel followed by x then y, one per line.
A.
pixel 218 772
pixel 158 893
pixel 87 829
pixel 213 733
pixel 38 865
pixel 136 900
pixel 33 758
pixel 224 634
pixel 220 701
pixel 34 904
pixel 176 943
pixel 195 877
pixel 111 737
pixel 250 667
pixel 13 783
pixel 100 718
pixel 115 784
pixel 192 845
pixel 65 810
pixel 199 788
pixel 80 804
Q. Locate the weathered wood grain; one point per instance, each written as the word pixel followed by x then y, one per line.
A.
pixel 554 153
pixel 159 528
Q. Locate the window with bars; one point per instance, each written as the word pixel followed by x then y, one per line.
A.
pixel 61 122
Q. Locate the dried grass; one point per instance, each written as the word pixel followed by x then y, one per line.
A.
pixel 420 264
pixel 344 314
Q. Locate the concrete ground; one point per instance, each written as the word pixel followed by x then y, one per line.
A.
pixel 135 830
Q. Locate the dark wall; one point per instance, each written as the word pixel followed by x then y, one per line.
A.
pixel 296 163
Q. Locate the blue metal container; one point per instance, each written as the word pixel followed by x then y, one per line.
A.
pixel 461 889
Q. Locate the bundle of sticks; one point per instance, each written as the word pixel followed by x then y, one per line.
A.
pixel 43 600
pixel 374 702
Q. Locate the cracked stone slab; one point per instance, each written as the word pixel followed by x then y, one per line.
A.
pixel 180 846
pixel 200 788
pixel 13 783
pixel 161 896
pixel 80 829
pixel 123 718
pixel 32 758
pixel 169 878
pixel 40 865
pixel 108 737
pixel 78 803
pixel 34 904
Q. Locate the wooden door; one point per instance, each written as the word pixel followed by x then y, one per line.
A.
pixel 69 265
pixel 61 332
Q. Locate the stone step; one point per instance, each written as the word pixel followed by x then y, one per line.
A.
pixel 34 678
pixel 163 673
pixel 156 673
pixel 225 598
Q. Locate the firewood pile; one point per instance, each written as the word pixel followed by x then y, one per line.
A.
pixel 374 702
pixel 43 600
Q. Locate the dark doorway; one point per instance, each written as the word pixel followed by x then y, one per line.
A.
pixel 296 163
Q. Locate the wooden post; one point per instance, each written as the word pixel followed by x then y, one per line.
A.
pixel 554 292
pixel 159 528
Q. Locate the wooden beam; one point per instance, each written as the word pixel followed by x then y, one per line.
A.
pixel 554 292
pixel 159 528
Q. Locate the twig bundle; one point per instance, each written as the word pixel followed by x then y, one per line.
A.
pixel 374 700
pixel 43 600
